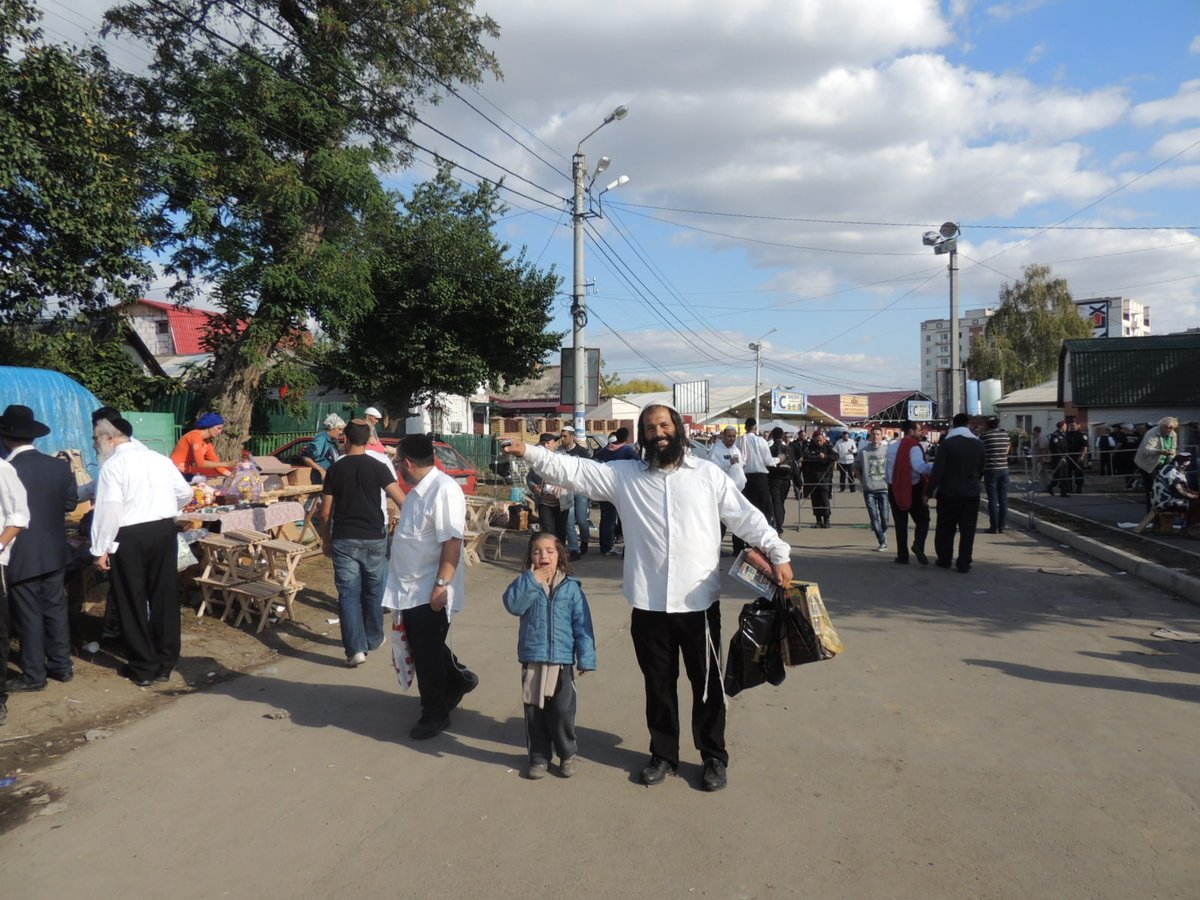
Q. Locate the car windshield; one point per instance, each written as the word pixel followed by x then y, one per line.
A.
pixel 450 458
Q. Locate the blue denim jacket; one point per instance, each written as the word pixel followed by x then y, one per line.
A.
pixel 555 627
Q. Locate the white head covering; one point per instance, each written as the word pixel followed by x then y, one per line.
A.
pixel 333 420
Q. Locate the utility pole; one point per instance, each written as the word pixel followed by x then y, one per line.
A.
pixel 957 402
pixel 578 303
pixel 578 299
pixel 757 348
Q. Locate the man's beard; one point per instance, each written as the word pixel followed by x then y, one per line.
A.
pixel 663 456
pixel 104 453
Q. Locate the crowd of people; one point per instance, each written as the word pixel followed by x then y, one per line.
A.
pixel 669 507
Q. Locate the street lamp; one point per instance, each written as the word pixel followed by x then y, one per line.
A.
pixel 945 240
pixel 578 306
pixel 756 346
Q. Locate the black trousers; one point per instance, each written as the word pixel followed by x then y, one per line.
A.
pixel 553 520
pixel 919 513
pixel 438 672
pixel 779 489
pixel 845 476
pixel 758 492
pixel 659 638
pixel 39 609
pixel 145 586
pixel 959 514
pixel 551 728
pixel 3 634
pixel 1060 475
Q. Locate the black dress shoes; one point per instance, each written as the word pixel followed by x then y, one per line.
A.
pixel 127 672
pixel 20 685
pixel 656 771
pixel 714 772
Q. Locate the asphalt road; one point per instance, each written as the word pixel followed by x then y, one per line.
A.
pixel 1009 733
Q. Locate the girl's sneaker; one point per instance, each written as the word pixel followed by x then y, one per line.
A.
pixel 537 770
pixel 568 767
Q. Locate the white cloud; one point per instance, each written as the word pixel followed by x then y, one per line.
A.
pixel 1194 46
pixel 1183 106
pixel 1004 12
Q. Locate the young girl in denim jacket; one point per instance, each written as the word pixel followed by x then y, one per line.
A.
pixel 555 635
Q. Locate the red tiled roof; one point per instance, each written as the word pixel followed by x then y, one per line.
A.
pixel 188 326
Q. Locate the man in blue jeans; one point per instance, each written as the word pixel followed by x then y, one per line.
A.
pixel 353 534
pixel 996 443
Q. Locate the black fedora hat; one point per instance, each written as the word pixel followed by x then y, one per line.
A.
pixel 18 422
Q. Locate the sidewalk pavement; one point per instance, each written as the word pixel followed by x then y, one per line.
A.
pixel 1020 731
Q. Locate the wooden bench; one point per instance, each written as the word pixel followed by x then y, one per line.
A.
pixel 221 569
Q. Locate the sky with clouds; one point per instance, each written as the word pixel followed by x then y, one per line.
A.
pixel 785 157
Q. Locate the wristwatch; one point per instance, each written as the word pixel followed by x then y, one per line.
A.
pixel 441 582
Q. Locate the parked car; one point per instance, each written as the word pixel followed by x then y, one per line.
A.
pixel 445 458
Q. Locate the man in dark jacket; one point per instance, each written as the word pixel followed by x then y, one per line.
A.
pixel 38 564
pixel 1060 475
pixel 957 470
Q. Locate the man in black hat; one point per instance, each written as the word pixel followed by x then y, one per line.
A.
pixel 38 564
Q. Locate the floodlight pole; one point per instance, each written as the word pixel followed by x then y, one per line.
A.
pixel 957 403
pixel 578 295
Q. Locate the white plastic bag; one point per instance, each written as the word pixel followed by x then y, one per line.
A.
pixel 402 660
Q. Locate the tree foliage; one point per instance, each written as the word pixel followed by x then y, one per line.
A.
pixel 73 222
pixel 453 309
pixel 1021 342
pixel 614 386
pixel 273 118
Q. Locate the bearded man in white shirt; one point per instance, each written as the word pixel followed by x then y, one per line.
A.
pixel 672 576
pixel 138 495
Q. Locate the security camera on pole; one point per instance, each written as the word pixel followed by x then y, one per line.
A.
pixel 945 240
pixel 579 212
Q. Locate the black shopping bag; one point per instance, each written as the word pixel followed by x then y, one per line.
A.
pixel 755 651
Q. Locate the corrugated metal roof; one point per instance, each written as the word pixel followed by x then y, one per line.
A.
pixel 1158 370
pixel 188 326
pixel 1044 393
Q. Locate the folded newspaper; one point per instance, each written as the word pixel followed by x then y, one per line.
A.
pixel 753 569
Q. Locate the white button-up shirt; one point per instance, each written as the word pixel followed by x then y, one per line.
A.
pixel 14 506
pixel 729 461
pixel 135 486
pixel 672 521
pixel 756 453
pixel 435 511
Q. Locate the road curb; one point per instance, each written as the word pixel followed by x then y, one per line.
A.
pixel 1185 586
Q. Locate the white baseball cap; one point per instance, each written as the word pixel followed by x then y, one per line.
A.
pixel 566 428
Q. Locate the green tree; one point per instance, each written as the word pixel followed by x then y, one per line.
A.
pixel 611 384
pixel 1021 342
pixel 273 118
pixel 454 309
pixel 73 216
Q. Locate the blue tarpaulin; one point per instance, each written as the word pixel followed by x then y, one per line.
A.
pixel 58 401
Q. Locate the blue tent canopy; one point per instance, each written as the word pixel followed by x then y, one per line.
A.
pixel 57 401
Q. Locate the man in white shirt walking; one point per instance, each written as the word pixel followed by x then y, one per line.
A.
pixel 138 495
pixel 672 505
pixel 756 459
pixel 14 518
pixel 846 450
pixel 425 581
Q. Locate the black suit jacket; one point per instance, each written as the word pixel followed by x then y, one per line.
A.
pixel 957 468
pixel 42 547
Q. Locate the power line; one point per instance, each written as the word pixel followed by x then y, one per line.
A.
pixel 868 223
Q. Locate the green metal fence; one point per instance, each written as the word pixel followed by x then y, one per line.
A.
pixel 263 444
pixel 479 448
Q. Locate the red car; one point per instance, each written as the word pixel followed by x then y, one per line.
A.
pixel 445 458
